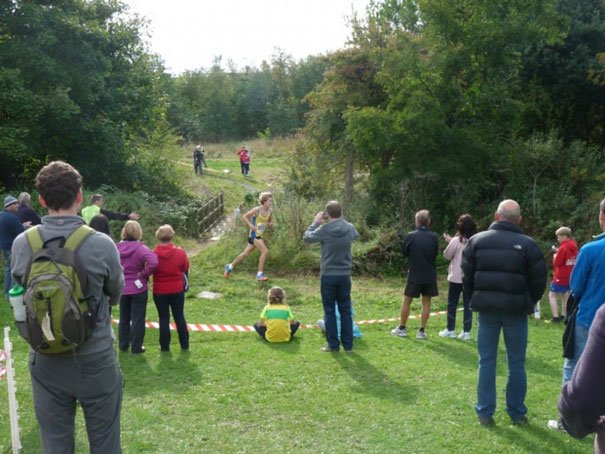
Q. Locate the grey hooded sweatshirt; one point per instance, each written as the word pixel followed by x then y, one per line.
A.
pixel 335 238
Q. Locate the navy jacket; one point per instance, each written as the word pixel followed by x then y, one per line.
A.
pixel 503 270
pixel 26 213
pixel 10 227
pixel 421 246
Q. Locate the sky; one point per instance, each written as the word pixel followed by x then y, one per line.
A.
pixel 189 34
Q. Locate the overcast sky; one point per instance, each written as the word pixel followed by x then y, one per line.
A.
pixel 188 34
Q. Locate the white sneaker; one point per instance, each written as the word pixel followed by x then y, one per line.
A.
pixel 464 335
pixel 555 424
pixel 420 335
pixel 447 333
pixel 537 311
pixel 321 324
pixel 399 332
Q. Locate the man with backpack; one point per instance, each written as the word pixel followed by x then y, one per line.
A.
pixel 70 361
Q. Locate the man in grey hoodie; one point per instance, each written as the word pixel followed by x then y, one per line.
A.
pixel 91 375
pixel 335 236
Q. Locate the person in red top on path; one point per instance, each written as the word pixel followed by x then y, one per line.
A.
pixel 563 263
pixel 244 160
pixel 169 287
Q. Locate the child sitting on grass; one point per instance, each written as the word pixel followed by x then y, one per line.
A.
pixel 276 322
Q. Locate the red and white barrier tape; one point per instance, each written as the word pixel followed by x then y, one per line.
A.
pixel 2 367
pixel 212 328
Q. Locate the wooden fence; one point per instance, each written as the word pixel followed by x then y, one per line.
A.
pixel 210 214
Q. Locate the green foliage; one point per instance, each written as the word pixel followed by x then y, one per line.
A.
pixel 78 85
pixel 215 105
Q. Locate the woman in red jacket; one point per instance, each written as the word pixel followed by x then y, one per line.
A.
pixel 563 263
pixel 169 288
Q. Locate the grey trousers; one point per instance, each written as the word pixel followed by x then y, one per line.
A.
pixel 60 382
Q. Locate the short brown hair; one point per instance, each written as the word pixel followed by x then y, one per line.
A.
pixel 164 233
pixel 334 209
pixel 132 231
pixel 58 183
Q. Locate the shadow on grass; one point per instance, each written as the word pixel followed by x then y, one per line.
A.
pixel 528 437
pixel 178 369
pixel 372 381
pixel 465 354
pixel 286 347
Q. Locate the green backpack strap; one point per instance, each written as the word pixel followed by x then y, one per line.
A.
pixel 34 238
pixel 77 237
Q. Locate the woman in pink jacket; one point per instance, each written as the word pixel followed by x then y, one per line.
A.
pixel 138 262
pixel 466 228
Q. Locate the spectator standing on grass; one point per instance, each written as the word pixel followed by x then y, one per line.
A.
pixel 258 220
pixel 96 208
pixel 587 287
pixel 199 160
pixel 582 400
pixel 25 212
pixel 421 246
pixel 169 286
pixel 138 263
pixel 90 375
pixel 276 322
pixel 244 159
pixel 563 263
pixel 504 271
pixel 335 235
pixel 10 227
pixel 465 228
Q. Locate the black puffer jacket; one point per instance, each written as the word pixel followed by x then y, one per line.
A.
pixel 503 270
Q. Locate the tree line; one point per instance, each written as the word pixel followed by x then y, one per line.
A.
pixel 446 105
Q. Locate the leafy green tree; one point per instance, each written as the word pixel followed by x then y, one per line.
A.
pixel 90 91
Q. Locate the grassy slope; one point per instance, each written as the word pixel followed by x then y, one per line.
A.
pixel 235 393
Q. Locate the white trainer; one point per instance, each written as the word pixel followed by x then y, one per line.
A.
pixel 537 311
pixel 464 335
pixel 399 332
pixel 555 424
pixel 447 333
pixel 420 335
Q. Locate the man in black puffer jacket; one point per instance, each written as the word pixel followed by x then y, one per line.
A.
pixel 505 273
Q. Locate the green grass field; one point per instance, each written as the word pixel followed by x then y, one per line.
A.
pixel 236 393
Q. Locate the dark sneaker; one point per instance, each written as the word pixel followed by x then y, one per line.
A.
pixel 327 349
pixel 486 421
pixel 521 421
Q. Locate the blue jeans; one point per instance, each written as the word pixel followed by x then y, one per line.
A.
pixel 580 338
pixel 453 296
pixel 8 280
pixel 336 290
pixel 514 327
pixel 176 303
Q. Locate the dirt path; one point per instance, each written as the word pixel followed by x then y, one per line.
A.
pixel 226 223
